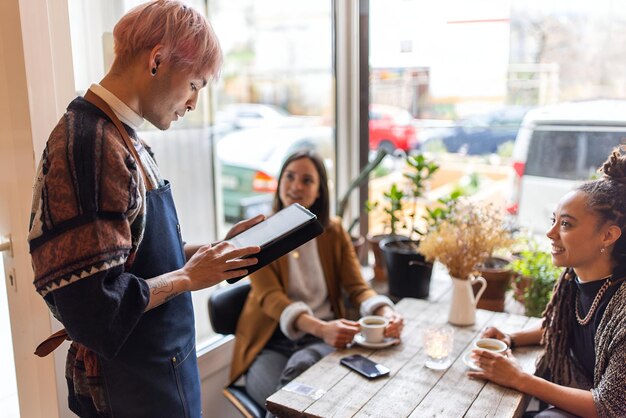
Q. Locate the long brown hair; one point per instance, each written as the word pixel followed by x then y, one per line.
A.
pixel 607 198
pixel 321 206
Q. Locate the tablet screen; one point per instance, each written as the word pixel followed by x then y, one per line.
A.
pixel 274 227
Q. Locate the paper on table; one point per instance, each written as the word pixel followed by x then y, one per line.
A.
pixel 305 390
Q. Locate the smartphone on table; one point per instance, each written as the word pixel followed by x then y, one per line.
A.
pixel 364 366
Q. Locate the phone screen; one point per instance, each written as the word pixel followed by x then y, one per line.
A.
pixel 274 227
pixel 365 366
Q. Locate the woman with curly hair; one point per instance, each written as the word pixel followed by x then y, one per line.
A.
pixel 584 325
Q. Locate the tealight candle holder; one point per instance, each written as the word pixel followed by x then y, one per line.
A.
pixel 438 342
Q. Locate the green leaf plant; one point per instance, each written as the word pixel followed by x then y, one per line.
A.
pixel 536 275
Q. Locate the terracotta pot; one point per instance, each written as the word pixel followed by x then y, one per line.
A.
pixel 498 277
pixel 359 244
pixel 520 284
pixel 380 268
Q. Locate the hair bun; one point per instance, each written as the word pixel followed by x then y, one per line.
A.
pixel 614 168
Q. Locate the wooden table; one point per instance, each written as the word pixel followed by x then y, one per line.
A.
pixel 411 390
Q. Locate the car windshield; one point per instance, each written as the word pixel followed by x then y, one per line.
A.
pixel 569 154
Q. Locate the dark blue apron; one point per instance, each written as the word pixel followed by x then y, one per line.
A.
pixel 155 373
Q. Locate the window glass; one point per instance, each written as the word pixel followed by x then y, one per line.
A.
pixel 468 71
pixel 274 95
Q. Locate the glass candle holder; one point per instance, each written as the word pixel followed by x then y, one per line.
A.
pixel 438 342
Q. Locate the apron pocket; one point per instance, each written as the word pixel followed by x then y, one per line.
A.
pixel 154 387
pixel 185 366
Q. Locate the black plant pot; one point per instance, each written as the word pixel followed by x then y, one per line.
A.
pixel 407 270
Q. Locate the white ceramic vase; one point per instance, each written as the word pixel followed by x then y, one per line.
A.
pixel 463 303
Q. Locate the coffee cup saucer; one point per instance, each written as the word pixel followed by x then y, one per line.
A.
pixel 360 340
pixel 467 359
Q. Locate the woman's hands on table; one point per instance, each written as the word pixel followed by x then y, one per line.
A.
pixel 396 321
pixel 500 368
pixel 339 332
pixel 493 332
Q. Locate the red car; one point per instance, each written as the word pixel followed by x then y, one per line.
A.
pixel 391 128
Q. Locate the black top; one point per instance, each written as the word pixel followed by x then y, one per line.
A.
pixel 583 337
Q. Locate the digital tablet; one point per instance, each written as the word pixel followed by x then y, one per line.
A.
pixel 283 222
pixel 282 232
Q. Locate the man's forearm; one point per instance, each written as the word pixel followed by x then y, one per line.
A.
pixel 166 287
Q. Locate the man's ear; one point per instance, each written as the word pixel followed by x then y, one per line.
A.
pixel 155 57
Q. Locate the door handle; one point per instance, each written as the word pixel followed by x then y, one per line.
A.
pixel 6 245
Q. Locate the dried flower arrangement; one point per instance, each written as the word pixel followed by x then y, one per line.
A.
pixel 466 237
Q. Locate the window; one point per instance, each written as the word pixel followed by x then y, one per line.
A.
pixel 275 95
pixel 276 92
pixel 473 71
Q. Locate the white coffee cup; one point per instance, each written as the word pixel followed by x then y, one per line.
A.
pixel 373 328
pixel 491 344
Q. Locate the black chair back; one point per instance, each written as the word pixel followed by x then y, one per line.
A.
pixel 225 305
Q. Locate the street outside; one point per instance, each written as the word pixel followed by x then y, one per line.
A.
pixel 493 187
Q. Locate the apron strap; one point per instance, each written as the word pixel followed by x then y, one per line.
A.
pixel 97 101
pixel 52 343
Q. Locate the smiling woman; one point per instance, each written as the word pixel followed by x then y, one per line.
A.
pixel 585 358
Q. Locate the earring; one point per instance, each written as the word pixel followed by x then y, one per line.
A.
pixel 153 71
pixel 602 250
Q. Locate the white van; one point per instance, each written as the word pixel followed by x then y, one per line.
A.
pixel 557 147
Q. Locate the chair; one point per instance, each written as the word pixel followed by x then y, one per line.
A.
pixel 225 305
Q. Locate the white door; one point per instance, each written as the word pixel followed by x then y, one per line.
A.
pixel 35 66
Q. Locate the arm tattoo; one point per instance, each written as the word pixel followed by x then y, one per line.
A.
pixel 161 286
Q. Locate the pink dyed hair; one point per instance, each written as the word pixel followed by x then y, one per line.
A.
pixel 188 39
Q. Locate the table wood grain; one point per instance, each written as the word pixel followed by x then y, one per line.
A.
pixel 411 389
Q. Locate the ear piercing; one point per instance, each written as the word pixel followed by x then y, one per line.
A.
pixel 603 250
pixel 153 71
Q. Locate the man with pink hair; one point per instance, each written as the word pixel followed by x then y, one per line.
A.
pixel 104 236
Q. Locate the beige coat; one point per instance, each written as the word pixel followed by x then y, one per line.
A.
pixel 268 296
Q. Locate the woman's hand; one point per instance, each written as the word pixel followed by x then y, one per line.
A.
pixel 340 332
pixel 498 368
pixel 396 321
pixel 241 226
pixel 493 332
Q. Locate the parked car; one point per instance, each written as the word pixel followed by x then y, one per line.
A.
pixel 259 115
pixel 390 128
pixel 483 133
pixel 251 159
pixel 558 147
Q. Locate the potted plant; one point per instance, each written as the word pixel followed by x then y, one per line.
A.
pixel 462 240
pixel 409 272
pixel 535 277
pixel 393 210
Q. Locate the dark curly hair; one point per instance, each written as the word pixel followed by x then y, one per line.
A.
pixel 606 197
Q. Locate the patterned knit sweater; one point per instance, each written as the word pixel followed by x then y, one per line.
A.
pixel 87 221
pixel 608 387
pixel 609 380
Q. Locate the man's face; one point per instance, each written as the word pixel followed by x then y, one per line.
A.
pixel 172 91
